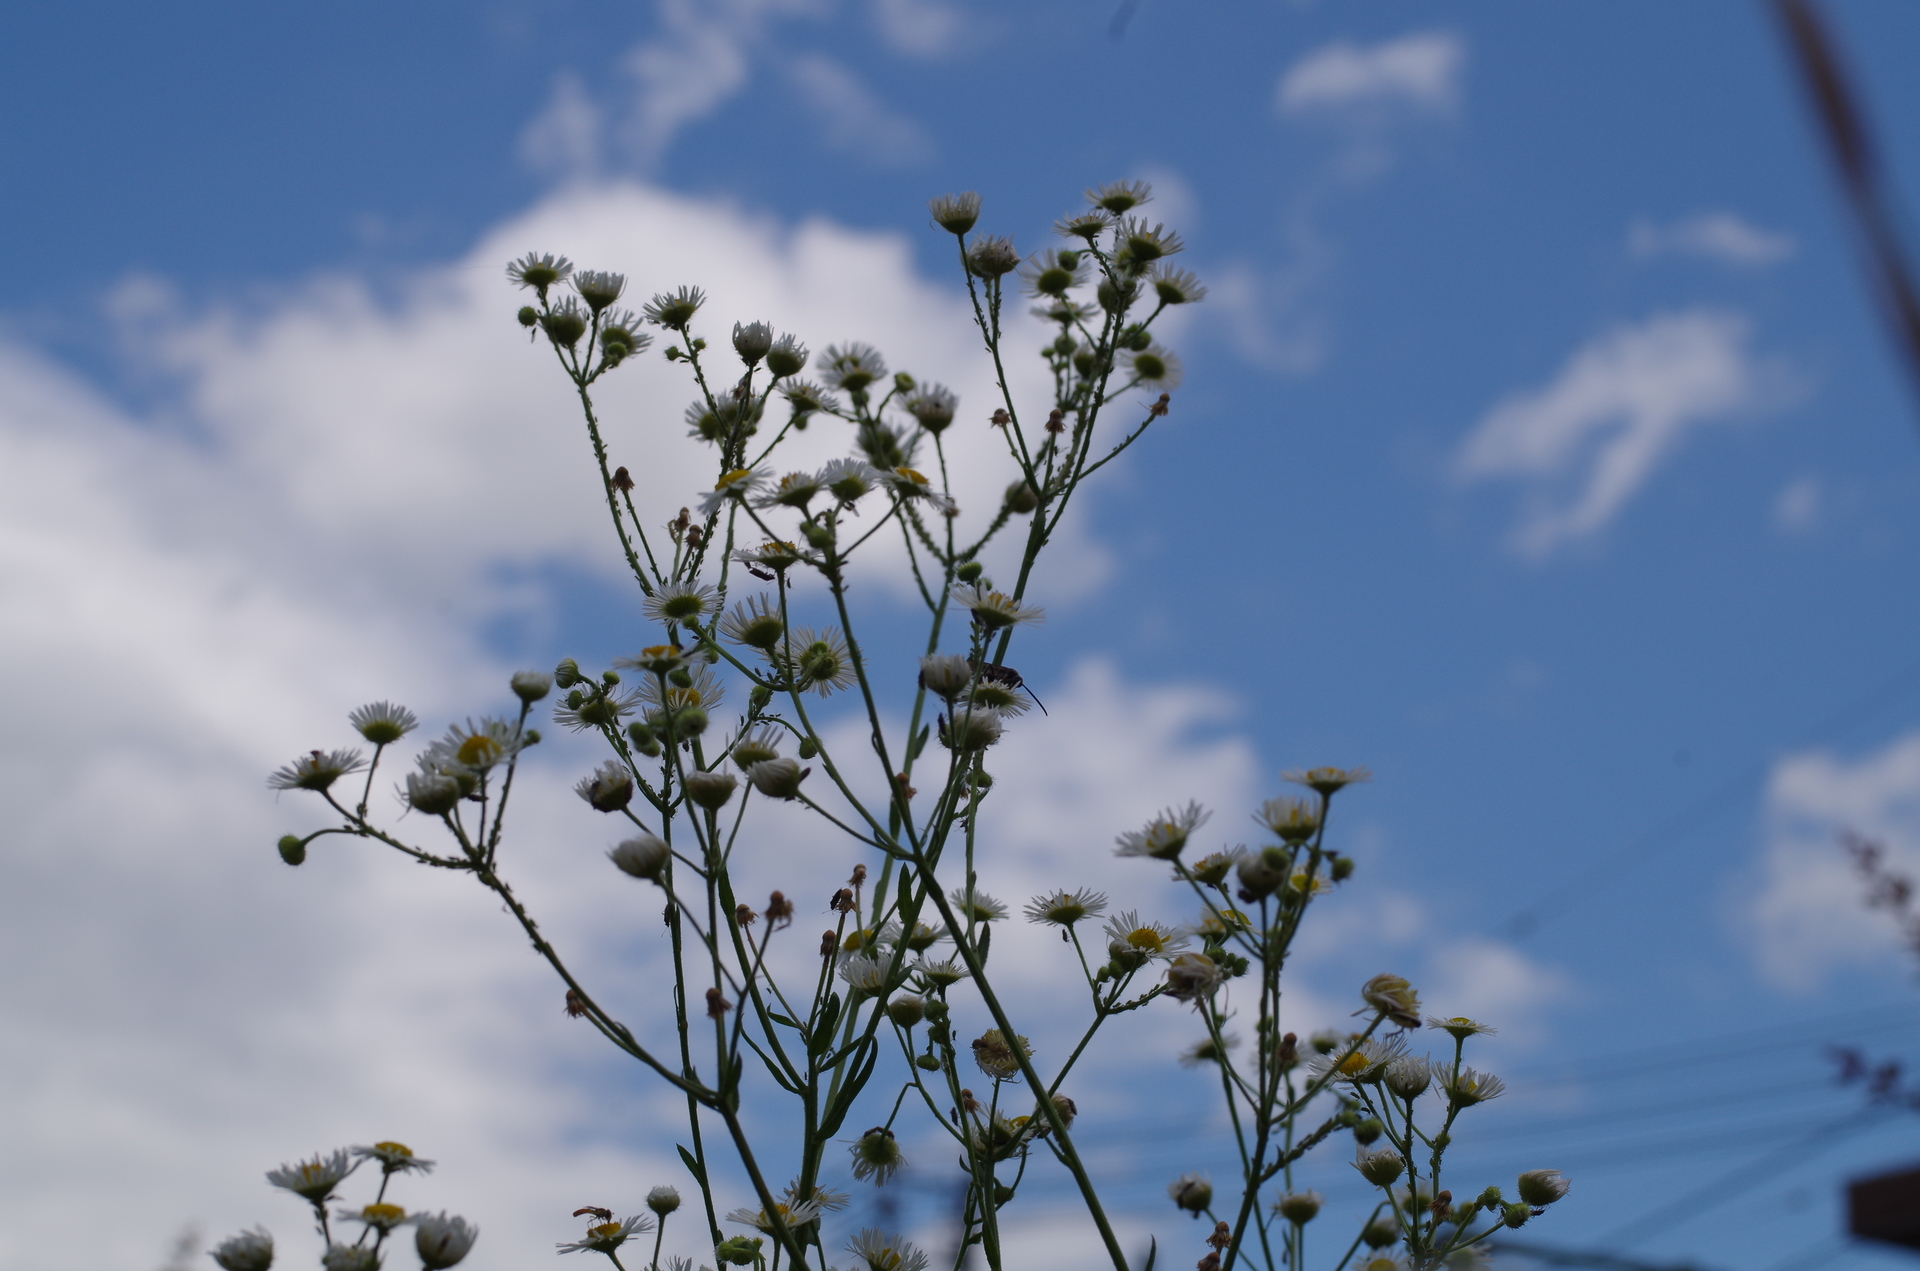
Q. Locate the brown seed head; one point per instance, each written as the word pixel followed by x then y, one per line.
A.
pixel 576 1005
pixel 1222 1236
pixel 779 909
pixel 828 943
pixel 744 916
pixel 859 878
pixel 1056 420
pixel 1159 408
pixel 717 1005
pixel 842 902
pixel 621 481
pixel 1001 419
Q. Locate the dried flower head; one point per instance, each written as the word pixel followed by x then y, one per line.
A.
pixel 876 1155
pixel 996 1057
pixel 1394 999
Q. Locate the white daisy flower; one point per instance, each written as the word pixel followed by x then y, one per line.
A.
pixel 1128 933
pixel 605 1237
pixel 732 487
pixel 248 1251
pixel 679 602
pixel 1165 835
pixel 383 723
pixel 314 1180
pixel 882 1252
pixel 994 609
pixel 316 770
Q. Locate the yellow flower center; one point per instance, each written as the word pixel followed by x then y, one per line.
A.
pixel 732 478
pixel 604 1230
pixel 475 751
pixel 383 1215
pixel 1356 1062
pixel 1146 939
pixel 911 475
pixel 388 1147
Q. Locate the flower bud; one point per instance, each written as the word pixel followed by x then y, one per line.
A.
pixel 531 686
pixel 293 849
pixel 1540 1187
pixel 1378 1235
pixel 1394 999
pixel 1368 1131
pixel 1260 876
pixel 528 316
pixel 945 675
pixel 248 1251
pixel 711 790
pixel 808 748
pixel 786 356
pixel 1341 868
pixel 688 722
pixel 1515 1215
pixel 955 213
pixel 907 1010
pixel 1021 498
pixel 663 1200
pixel 927 1063
pixel 643 856
pixel 1298 1207
pixel 567 674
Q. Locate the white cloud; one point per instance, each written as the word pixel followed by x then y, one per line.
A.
pixel 853 119
pixel 1808 911
pixel 699 60
pixel 920 28
pixel 1588 441
pixel 1720 236
pixel 1799 506
pixel 1419 71
pixel 563 140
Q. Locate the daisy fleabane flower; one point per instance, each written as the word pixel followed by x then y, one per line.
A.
pixel 732 487
pixel 1165 835
pixel 248 1251
pixel 315 1179
pixel 994 609
pixel 605 1237
pixel 882 1252
pixel 979 907
pixel 442 1241
pixel 383 723
pixel 1064 908
pixel 1129 933
pixel 316 770
pixel 679 602
pixel 394 1158
pixel 793 1215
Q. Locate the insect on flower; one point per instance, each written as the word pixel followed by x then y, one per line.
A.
pixel 1006 677
pixel 604 1215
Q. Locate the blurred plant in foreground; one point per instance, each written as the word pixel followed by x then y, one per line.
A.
pixel 900 992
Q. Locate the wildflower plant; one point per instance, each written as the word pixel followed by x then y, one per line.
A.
pixel 899 1009
pixel 355 1237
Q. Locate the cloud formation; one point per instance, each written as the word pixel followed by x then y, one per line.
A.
pixel 1716 236
pixel 1808 911
pixel 852 119
pixel 1419 72
pixel 1584 444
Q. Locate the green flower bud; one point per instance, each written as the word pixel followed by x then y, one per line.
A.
pixel 567 674
pixel 1340 869
pixel 1368 1131
pixel 528 316
pixel 927 1063
pixel 1021 498
pixel 689 721
pixel 969 571
pixel 906 1010
pixel 808 748
pixel 293 850
pixel 1515 1215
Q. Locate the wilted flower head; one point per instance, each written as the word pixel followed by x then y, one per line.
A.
pixel 442 1241
pixel 882 1252
pixel 383 723
pixel 992 257
pixel 955 213
pixel 608 788
pixel 1191 1192
pixel 996 1057
pixel 316 770
pixel 605 1237
pixel 248 1251
pixel 752 340
pixel 1192 977
pixel 1165 835
pixel 876 1155
pixel 674 309
pixel 971 729
pixel 314 1180
pixel 755 746
pixel 1064 908
pixel 853 366
pixel 538 271
pixel 1393 998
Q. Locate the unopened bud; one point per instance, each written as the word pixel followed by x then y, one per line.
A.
pixel 531 686
pixel 293 849
pixel 1191 1193
pixel 907 1010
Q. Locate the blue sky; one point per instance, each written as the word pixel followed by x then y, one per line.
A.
pixel 1538 448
